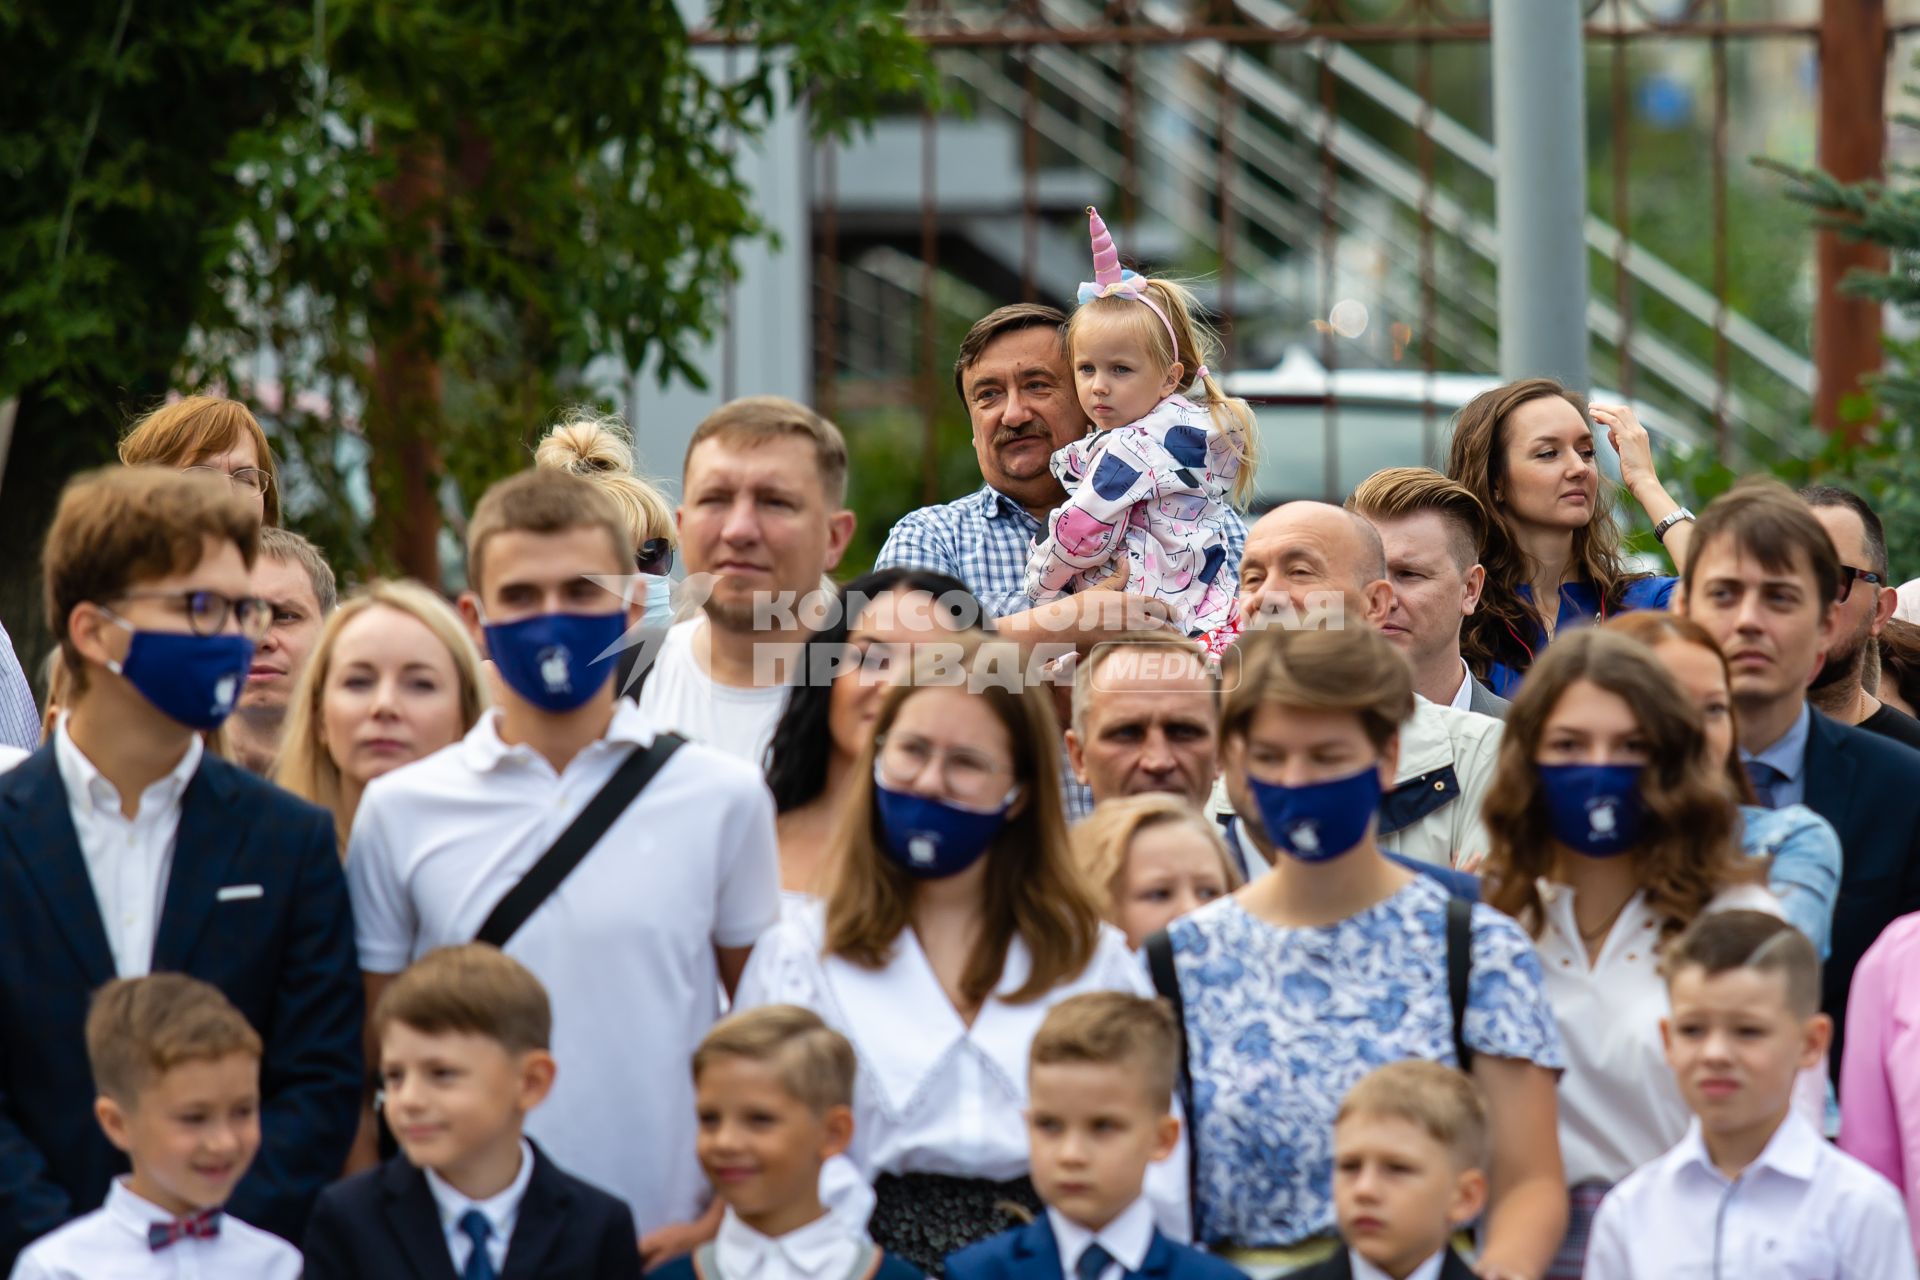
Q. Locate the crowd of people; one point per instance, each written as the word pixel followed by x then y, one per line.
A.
pixel 1100 885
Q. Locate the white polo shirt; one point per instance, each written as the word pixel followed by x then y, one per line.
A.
pixel 625 945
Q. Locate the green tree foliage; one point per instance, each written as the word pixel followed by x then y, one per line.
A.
pixel 430 214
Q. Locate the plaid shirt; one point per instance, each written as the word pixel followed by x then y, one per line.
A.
pixel 19 718
pixel 985 540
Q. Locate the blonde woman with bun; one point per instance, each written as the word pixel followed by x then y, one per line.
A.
pixel 599 448
pixel 1151 859
pixel 393 678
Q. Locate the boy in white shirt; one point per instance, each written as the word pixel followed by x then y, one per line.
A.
pixel 773 1092
pixel 1753 1190
pixel 178 1073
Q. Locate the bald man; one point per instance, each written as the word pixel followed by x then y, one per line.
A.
pixel 1311 564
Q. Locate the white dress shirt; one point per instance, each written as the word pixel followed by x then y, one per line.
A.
pixel 128 859
pixel 681 696
pixel 1803 1211
pixel 933 1094
pixel 625 944
pixel 111 1244
pixel 501 1212
pixel 1462 701
pixel 1428 1270
pixel 1127 1239
pixel 1619 1105
pixel 824 1249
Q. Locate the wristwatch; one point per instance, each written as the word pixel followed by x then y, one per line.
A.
pixel 1671 519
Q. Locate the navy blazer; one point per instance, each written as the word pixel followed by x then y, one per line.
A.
pixel 1340 1267
pixel 1868 787
pixel 385 1225
pixel 284 956
pixel 1031 1253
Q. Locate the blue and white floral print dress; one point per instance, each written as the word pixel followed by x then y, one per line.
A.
pixel 1282 1022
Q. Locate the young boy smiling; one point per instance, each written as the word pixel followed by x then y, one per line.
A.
pixel 1753 1190
pixel 773 1094
pixel 463 1037
pixel 1100 1110
pixel 178 1071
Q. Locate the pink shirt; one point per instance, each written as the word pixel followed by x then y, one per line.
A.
pixel 1880 1071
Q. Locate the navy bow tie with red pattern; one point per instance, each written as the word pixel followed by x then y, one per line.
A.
pixel 201 1226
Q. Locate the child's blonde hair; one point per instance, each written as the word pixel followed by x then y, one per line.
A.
pixel 138 1029
pixel 1444 1103
pixel 470 989
pixel 1113 1029
pixel 1197 344
pixel 1102 838
pixel 814 1062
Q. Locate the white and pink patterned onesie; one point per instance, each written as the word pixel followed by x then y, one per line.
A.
pixel 1148 499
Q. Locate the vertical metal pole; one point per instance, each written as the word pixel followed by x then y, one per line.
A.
pixel 826 378
pixel 929 264
pixel 1539 105
pixel 1853 129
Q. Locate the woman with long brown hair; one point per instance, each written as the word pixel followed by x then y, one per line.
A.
pixel 1526 450
pixel 1611 828
pixel 954 917
pixel 1801 848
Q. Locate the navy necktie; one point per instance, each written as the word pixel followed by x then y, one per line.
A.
pixel 1765 779
pixel 1093 1261
pixel 479 1262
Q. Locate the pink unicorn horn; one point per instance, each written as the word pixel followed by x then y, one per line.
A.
pixel 1106 258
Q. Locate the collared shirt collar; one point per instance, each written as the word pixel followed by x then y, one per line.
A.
pixel 1127 1237
pixel 83 778
pixel 1792 1152
pixel 820 1248
pixel 500 1210
pixel 999 505
pixel 1428 1270
pixel 486 750
pixel 1789 754
pixel 132 1210
pixel 1463 696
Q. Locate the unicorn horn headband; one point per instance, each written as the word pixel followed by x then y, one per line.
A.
pixel 1111 280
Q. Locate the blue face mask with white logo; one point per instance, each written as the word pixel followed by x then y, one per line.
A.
pixel 1594 809
pixel 1321 820
pixel 557 661
pixel 193 680
pixel 931 839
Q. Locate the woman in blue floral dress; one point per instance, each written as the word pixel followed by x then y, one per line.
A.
pixel 1334 962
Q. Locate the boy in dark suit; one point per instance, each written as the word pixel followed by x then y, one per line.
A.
pixel 463 1038
pixel 1409 1149
pixel 773 1091
pixel 1100 1084
pixel 128 848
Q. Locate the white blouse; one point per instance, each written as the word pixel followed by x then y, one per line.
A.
pixel 935 1095
pixel 1619 1105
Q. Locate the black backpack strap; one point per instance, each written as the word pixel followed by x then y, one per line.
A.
pixel 1459 969
pixel 584 832
pixel 1166 981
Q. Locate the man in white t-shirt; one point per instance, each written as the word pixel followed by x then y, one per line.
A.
pixel 761 522
pixel 636 942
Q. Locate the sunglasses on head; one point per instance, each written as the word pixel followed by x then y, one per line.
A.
pixel 655 557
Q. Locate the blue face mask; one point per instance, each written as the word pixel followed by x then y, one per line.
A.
pixel 1321 820
pixel 557 661
pixel 931 839
pixel 1594 809
pixel 193 680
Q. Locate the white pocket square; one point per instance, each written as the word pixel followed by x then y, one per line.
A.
pixel 239 893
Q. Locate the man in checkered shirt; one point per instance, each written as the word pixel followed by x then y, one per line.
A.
pixel 1012 376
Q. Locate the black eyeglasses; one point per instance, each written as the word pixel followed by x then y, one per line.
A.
pixel 1849 575
pixel 207 611
pixel 655 557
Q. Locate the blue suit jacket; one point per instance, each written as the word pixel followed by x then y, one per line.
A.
pixel 1031 1253
pixel 284 957
pixel 384 1225
pixel 1868 787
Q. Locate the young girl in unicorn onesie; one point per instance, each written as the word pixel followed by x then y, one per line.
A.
pixel 1148 487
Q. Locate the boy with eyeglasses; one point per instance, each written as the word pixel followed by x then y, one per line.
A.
pixel 127 848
